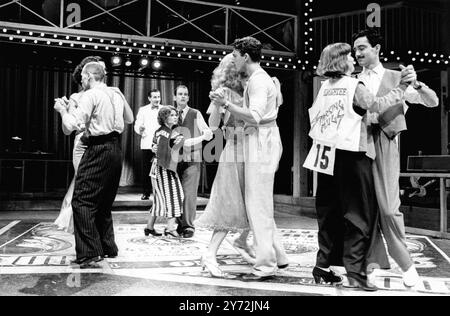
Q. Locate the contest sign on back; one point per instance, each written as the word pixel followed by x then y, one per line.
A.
pixel 334 124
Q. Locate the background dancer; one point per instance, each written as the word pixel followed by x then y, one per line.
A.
pixel 192 125
pixel 146 124
pixel 168 193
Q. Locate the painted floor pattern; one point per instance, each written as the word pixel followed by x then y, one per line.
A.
pixel 40 249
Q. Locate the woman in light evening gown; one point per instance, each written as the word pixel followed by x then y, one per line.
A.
pixel 225 211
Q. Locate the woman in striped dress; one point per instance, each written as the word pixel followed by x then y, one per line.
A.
pixel 167 189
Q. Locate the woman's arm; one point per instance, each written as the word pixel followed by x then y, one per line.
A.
pixel 67 110
pixel 366 100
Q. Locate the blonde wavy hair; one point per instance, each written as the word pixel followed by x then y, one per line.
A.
pixel 226 75
pixel 334 61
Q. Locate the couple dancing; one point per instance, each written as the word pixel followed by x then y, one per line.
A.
pixel 98 114
pixel 357 189
pixel 246 99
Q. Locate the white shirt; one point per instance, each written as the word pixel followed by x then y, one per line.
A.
pixel 101 110
pixel 372 79
pixel 148 118
pixel 260 96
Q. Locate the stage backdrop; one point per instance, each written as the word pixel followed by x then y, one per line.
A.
pixel 26 110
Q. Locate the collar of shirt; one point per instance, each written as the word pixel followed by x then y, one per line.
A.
pixel 257 71
pixel 185 110
pixel 378 71
pixel 155 107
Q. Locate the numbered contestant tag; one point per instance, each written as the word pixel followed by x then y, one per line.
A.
pixel 321 158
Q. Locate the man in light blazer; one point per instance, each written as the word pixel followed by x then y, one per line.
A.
pixel 385 128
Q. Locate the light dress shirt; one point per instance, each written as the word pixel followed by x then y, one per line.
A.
pixel 372 80
pixel 260 97
pixel 100 109
pixel 148 117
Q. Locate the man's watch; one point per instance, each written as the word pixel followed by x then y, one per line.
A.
pixel 417 85
pixel 226 105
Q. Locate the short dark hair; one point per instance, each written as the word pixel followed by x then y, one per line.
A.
pixel 181 86
pixel 372 34
pixel 76 75
pixel 164 114
pixel 153 91
pixel 249 45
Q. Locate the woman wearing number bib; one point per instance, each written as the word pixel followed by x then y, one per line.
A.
pixel 342 154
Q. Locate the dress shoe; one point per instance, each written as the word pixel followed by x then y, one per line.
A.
pixel 411 277
pixel 283 266
pixel 326 276
pixel 111 256
pixel 87 260
pixel 145 197
pixel 172 233
pixel 211 265
pixel 356 281
pixel 153 232
pixel 188 234
pixel 253 277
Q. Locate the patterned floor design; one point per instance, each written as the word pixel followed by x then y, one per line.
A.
pixel 39 248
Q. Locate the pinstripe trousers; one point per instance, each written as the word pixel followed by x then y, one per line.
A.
pixel 96 187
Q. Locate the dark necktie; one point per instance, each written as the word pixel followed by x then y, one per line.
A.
pixel 180 117
pixel 155 107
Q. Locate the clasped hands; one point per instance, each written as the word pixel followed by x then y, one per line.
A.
pixel 218 97
pixel 61 104
pixel 408 75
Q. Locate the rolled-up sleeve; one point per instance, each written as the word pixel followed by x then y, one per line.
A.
pixel 257 96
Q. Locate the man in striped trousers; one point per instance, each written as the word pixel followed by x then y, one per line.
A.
pixel 101 109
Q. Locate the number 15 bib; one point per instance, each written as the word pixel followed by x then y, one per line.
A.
pixel 321 158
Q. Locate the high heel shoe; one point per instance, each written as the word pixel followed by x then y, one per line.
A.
pixel 327 277
pixel 213 268
pixel 153 232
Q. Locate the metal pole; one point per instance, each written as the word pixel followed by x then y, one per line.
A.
pixel 61 14
pixel 296 39
pixel 149 17
pixel 443 203
pixel 227 25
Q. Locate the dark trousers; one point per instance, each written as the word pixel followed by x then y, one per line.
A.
pixel 347 213
pixel 147 157
pixel 189 173
pixel 96 187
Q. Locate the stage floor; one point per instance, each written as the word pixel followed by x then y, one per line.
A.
pixel 34 260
